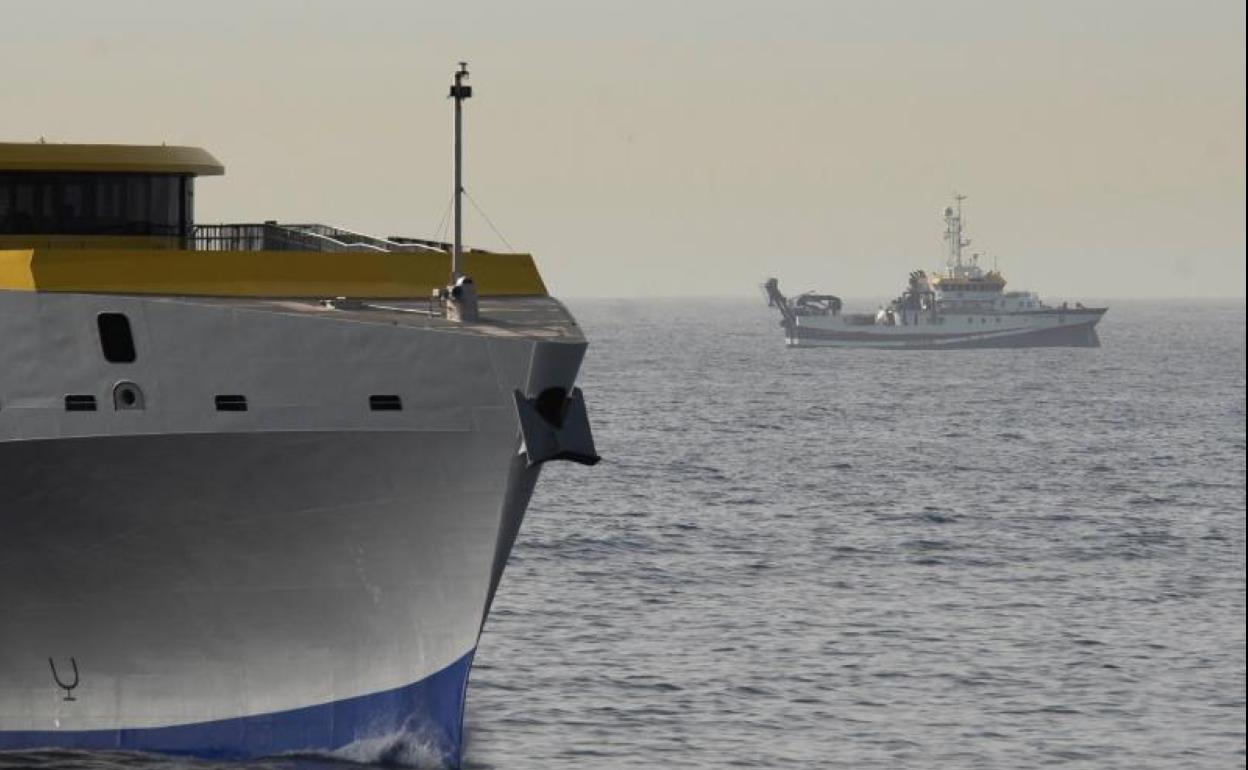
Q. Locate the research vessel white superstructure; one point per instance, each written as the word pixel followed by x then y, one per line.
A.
pixel 965 307
pixel 258 483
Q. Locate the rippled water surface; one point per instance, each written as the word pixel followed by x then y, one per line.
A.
pixel 875 559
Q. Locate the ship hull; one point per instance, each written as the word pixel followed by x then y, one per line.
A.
pixel 306 575
pixel 339 729
pixel 1037 332
pixel 246 595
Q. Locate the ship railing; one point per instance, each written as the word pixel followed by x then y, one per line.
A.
pixel 436 245
pixel 262 236
pixel 248 237
pixel 271 236
pixel 361 241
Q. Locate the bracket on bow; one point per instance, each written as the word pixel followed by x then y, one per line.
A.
pixel 555 426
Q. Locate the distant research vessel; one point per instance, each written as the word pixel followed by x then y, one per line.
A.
pixel 258 482
pixel 964 308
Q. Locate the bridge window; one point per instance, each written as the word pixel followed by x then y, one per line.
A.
pixel 78 203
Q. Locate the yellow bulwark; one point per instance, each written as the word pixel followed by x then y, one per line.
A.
pixel 261 273
pixel 164 265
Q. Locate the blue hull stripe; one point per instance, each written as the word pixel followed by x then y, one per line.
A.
pixel 431 710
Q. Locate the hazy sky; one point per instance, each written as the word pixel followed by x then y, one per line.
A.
pixel 691 147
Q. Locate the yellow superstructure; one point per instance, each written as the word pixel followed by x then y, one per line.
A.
pixel 54 238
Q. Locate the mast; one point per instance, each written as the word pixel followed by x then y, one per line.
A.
pixel 459 92
pixel 462 293
pixel 953 234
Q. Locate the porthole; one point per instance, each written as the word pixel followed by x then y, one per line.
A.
pixel 128 396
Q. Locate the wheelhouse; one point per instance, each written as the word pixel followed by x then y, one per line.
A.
pixel 95 194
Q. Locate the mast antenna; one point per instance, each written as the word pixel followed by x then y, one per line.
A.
pixel 459 92
pixel 462 293
pixel 953 234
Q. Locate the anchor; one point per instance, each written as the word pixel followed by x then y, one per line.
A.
pixel 68 688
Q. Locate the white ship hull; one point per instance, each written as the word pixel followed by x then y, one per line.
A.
pixel 1046 328
pixel 962 307
pixel 306 575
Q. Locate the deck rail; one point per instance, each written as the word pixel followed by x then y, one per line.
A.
pixel 271 236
